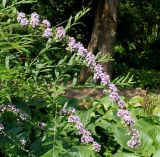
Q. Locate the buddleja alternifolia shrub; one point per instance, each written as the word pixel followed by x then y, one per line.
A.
pixel 35 119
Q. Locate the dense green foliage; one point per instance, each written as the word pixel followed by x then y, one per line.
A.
pixel 138 41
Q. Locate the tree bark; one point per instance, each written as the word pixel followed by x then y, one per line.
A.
pixel 103 33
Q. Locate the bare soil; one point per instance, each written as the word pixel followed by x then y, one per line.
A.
pixel 98 93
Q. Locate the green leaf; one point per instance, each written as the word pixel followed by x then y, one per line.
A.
pixel 82 151
pixel 136 101
pixel 57 73
pixel 156 111
pixel 156 153
pixel 87 115
pixel 124 80
pixel 74 81
pixel 121 137
pixel 31 1
pixel 69 23
pixel 147 135
pixel 122 154
pixel 62 60
pixel 48 154
pixel 4 3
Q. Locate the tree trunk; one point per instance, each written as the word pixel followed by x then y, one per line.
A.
pixel 103 33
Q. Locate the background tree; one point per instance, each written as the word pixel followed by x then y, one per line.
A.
pixel 103 33
pixel 137 41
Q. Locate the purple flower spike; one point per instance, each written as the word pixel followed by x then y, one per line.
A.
pixel 85 134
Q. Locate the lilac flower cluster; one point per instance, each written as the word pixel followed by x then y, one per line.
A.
pixel 60 33
pixel 134 142
pixel 1 127
pixel 46 23
pixel 21 18
pixel 35 21
pixel 85 134
pixel 23 142
pixel 72 44
pixel 12 108
pixel 47 33
pixel 125 116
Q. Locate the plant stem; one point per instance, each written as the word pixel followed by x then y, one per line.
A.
pixel 55 129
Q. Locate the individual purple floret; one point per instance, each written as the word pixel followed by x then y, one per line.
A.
pixel 121 103
pixel 125 116
pixel 72 44
pixel 21 18
pixel 42 125
pixel 81 50
pixel 23 142
pixel 134 142
pixel 80 127
pixel 71 111
pixel 98 70
pixel 24 22
pixel 86 139
pixel 114 96
pixel 105 79
pixel 90 58
pixel 62 112
pixel 1 127
pixel 100 74
pixel 96 146
pixel 47 33
pixel 34 20
pixel 73 119
pixel 46 23
pixel 112 87
pixel 23 116
pixel 60 33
